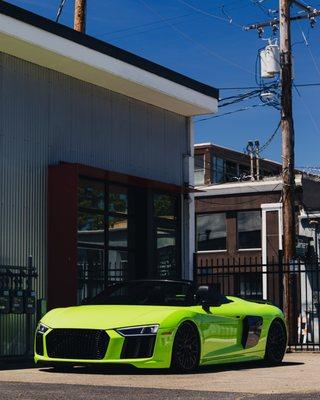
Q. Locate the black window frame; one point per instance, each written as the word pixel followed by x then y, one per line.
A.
pixel 239 246
pixel 133 230
pixel 226 231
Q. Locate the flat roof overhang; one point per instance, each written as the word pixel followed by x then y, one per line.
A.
pixel 43 42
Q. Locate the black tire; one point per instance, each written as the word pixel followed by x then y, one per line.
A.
pixel 186 349
pixel 276 343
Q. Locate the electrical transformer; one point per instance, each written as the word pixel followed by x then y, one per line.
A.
pixel 270 61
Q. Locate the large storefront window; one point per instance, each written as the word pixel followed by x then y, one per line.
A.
pixel 104 245
pixel 167 226
pixel 112 230
pixel 211 232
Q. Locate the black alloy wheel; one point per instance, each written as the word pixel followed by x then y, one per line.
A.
pixel 186 349
pixel 276 343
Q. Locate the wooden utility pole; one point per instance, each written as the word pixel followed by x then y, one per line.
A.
pixel 80 15
pixel 288 191
pixel 288 176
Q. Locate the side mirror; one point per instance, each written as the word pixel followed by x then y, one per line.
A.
pixel 206 304
pixel 208 297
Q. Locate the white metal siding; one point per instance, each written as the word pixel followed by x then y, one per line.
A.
pixel 47 117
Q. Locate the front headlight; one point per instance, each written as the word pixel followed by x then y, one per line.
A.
pixel 42 328
pixel 146 330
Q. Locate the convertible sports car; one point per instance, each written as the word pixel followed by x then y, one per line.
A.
pixel 161 324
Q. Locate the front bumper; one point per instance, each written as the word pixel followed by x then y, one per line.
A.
pixel 160 358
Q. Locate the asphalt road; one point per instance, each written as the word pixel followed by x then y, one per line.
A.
pixel 296 378
pixel 37 391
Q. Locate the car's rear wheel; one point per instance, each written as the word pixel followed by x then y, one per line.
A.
pixel 276 343
pixel 186 349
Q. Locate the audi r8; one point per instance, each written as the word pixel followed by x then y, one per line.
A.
pixel 161 324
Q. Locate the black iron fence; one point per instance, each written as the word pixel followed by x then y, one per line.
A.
pixel 251 279
pixel 18 306
pixel 93 277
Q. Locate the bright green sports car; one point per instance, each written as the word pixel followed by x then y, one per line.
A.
pixel 161 324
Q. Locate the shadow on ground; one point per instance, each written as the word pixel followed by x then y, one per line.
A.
pixel 16 364
pixel 130 370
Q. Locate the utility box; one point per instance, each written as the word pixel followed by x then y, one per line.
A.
pixel 17 300
pixel 270 61
pixel 30 302
pixel 4 301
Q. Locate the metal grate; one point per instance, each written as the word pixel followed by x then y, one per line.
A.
pixel 85 344
pixel 138 347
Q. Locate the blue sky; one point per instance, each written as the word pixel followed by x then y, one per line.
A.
pixel 196 38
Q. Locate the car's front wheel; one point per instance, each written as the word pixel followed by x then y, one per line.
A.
pixel 186 349
pixel 276 343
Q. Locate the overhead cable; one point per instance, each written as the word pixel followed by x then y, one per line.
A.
pixel 62 3
pixel 209 14
pixel 231 112
pixel 195 42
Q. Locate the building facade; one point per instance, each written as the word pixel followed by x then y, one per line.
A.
pixel 239 216
pixel 96 151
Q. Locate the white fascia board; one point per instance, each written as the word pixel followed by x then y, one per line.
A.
pixel 243 187
pixel 238 188
pixel 57 53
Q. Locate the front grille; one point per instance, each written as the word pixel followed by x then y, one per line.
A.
pixel 138 347
pixel 39 343
pixel 85 344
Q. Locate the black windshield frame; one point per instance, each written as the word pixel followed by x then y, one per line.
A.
pixel 147 293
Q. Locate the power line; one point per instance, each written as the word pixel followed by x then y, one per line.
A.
pixel 161 21
pixel 208 14
pixel 231 112
pixel 267 143
pixel 257 87
pixel 195 42
pixel 60 8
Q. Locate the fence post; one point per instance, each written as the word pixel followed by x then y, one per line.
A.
pixel 28 315
pixel 281 287
pixel 195 272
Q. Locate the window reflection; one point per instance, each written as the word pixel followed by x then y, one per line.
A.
pixel 249 229
pixel 166 216
pixel 166 252
pixel 165 206
pixel 118 199
pixel 91 194
pixel 211 231
pixel 118 231
pixel 91 273
pixel 90 228
pixel 118 265
pixel 199 169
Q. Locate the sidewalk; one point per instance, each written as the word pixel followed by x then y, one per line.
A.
pixel 299 373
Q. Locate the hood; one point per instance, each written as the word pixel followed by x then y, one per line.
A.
pixel 108 316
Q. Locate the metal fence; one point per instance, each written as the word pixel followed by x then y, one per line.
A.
pixel 93 277
pixel 17 309
pixel 251 279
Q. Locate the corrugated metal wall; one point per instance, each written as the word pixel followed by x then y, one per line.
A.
pixel 46 117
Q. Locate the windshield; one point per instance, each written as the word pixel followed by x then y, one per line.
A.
pixel 152 293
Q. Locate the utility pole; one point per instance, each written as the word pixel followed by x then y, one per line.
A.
pixel 80 15
pixel 288 190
